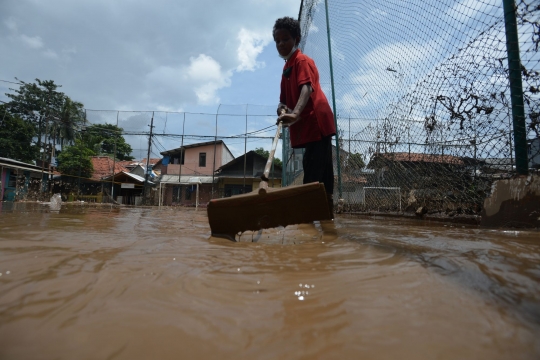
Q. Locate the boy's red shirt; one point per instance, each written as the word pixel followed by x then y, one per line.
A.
pixel 317 120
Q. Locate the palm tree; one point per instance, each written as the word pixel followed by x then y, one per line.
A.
pixel 70 119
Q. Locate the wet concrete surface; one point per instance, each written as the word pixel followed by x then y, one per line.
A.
pixel 102 282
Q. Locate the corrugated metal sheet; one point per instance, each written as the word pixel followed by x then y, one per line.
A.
pixel 14 164
pixel 187 179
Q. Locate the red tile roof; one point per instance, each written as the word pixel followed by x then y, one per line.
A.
pixel 103 166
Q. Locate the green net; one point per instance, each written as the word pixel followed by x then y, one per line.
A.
pixel 422 98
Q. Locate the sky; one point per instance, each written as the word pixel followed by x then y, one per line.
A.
pixel 162 55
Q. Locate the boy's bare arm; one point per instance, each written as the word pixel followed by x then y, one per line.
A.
pixel 292 117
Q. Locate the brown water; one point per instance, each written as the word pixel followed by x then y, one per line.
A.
pixel 109 283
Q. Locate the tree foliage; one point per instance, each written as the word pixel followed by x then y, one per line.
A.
pixel 356 161
pixel 101 138
pixel 69 121
pixel 36 103
pixel 16 137
pixel 266 155
pixel 75 160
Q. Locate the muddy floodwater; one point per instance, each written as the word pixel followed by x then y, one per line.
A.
pixel 139 283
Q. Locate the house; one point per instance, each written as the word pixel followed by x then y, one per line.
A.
pixel 243 174
pixel 19 179
pixel 104 167
pixel 128 188
pixel 122 180
pixel 413 170
pixel 427 177
pixel 131 164
pixel 188 172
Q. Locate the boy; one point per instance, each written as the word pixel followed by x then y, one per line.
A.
pixel 307 112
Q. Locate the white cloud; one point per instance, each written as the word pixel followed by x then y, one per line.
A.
pixel 251 45
pixel 11 24
pixel 133 55
pixel 50 54
pixel 32 42
pixel 203 77
pixel 207 76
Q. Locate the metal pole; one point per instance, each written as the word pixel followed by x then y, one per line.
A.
pixel 245 150
pixel 284 152
pixel 180 161
pixel 333 98
pixel 197 198
pixel 114 160
pixel 215 145
pixel 516 87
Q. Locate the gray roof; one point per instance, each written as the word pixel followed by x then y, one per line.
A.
pixel 187 179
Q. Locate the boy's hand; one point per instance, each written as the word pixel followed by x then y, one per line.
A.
pixel 282 107
pixel 288 119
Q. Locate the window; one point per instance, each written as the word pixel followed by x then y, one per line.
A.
pixel 12 181
pixel 188 192
pixel 202 159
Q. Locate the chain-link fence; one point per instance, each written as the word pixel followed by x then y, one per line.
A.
pixel 426 110
pixel 242 128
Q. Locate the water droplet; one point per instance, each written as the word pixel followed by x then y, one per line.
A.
pixel 306 286
pixel 174 258
pixel 312 286
pixel 8 272
pixel 300 298
pixel 300 285
pixel 258 282
pixel 238 269
pixel 0 274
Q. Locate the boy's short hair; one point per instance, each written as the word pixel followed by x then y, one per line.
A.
pixel 290 24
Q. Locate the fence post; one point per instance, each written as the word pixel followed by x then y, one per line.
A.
pixel 516 87
pixel 333 99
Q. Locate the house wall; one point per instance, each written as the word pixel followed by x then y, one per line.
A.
pixel 3 179
pixel 191 161
pixel 205 191
pixel 250 181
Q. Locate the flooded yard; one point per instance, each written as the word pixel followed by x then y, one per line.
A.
pixel 140 283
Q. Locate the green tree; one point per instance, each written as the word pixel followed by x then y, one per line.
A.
pixel 75 160
pixel 37 103
pixel 266 155
pixel 16 137
pixel 69 121
pixel 101 139
pixel 356 161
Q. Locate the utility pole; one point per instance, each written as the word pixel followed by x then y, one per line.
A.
pixel 145 189
pixel 114 159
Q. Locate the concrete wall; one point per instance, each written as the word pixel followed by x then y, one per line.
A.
pixel 513 203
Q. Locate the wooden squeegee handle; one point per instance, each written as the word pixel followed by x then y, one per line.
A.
pixel 264 177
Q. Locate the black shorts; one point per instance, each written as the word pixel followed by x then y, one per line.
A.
pixel 318 163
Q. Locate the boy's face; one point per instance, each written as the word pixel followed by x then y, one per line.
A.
pixel 284 41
